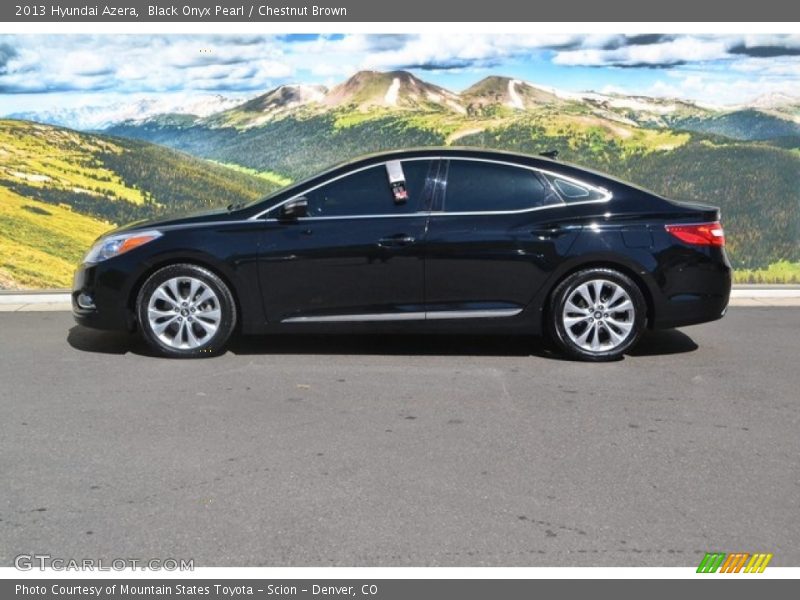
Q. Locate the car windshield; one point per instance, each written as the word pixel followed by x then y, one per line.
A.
pixel 274 193
pixel 281 191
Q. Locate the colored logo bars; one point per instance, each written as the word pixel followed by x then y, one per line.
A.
pixel 734 563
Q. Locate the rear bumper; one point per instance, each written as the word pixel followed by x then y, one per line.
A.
pixel 692 310
pixel 696 291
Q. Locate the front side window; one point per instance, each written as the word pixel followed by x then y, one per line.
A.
pixel 369 192
pixel 477 186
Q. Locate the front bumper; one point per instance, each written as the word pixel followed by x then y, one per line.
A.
pixel 100 299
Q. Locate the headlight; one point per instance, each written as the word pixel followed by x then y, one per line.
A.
pixel 115 245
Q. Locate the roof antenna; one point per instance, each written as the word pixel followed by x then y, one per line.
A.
pixel 551 154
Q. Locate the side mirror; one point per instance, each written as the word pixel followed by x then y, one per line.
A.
pixel 294 209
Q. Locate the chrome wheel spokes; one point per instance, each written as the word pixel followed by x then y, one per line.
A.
pixel 184 313
pixel 598 315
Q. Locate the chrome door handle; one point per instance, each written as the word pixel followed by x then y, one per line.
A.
pixel 401 239
pixel 549 231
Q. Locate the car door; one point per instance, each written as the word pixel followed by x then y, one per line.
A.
pixel 497 232
pixel 357 255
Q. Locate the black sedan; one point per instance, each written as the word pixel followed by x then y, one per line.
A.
pixel 442 240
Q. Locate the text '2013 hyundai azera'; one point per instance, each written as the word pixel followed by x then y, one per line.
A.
pixel 436 240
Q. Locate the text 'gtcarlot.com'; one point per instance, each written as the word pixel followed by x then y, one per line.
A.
pixel 28 562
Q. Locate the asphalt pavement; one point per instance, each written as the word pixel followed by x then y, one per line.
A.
pixel 401 451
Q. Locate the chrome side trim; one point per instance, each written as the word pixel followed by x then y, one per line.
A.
pixel 349 217
pixel 409 316
pixel 492 313
pixel 436 213
pixel 607 195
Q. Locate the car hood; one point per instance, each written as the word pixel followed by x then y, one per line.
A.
pixel 168 222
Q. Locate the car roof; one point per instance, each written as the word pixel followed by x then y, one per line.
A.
pixel 541 162
pixel 446 152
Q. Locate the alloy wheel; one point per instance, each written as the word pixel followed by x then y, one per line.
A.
pixel 184 313
pixel 598 315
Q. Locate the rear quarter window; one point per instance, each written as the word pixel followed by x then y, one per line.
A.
pixel 571 190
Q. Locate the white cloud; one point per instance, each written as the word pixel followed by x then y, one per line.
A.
pixel 678 51
pixel 672 50
pixel 444 51
pixel 136 63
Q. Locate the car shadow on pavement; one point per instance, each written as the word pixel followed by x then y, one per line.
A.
pixel 394 345
pixel 653 343
pixel 107 342
pixel 665 341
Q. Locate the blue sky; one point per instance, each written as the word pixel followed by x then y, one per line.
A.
pixel 39 72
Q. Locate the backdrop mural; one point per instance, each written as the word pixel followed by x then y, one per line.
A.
pixel 99 130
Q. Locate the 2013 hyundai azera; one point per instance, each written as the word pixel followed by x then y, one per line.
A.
pixel 430 240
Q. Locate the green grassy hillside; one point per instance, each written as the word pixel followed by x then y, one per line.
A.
pixel 60 189
pixel 40 243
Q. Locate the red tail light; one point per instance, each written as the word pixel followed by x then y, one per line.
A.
pixel 699 234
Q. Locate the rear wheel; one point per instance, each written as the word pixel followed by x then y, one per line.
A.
pixel 596 314
pixel 186 311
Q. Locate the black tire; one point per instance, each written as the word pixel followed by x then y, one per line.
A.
pixel 609 348
pixel 208 344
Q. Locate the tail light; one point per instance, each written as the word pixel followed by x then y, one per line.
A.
pixel 699 234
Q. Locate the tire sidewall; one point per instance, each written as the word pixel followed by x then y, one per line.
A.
pixel 559 299
pixel 227 305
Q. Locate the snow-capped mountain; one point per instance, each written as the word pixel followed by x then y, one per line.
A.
pixel 775 100
pixel 89 118
pixel 393 89
pixel 269 106
pixel 508 92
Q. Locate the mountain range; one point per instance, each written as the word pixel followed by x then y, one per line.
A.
pixel 89 118
pixel 765 117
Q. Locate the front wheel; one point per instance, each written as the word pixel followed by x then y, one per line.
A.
pixel 596 314
pixel 186 311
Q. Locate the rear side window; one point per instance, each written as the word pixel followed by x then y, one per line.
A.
pixel 369 192
pixel 574 191
pixel 476 186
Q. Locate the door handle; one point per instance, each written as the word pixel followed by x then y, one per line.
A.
pixel 401 239
pixel 549 231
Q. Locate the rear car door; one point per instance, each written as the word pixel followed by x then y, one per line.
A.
pixel 497 232
pixel 357 255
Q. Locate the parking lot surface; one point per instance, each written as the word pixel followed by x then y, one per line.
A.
pixel 402 451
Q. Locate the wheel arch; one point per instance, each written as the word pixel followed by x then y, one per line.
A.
pixel 635 272
pixel 201 261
